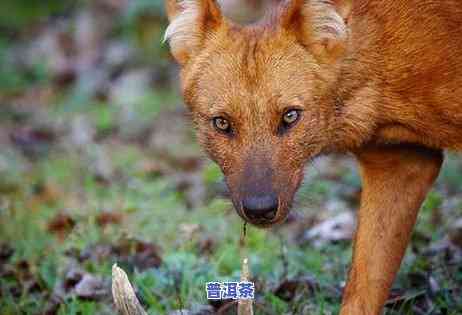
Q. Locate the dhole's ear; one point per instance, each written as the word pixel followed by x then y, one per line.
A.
pixel 190 22
pixel 320 25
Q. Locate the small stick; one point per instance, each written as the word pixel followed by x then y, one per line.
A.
pixel 122 292
pixel 244 307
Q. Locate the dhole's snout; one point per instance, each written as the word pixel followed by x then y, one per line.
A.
pixel 260 208
pixel 261 193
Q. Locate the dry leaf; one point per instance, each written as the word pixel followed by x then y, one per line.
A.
pixel 90 288
pixel 61 225
pixel 338 228
pixel 105 218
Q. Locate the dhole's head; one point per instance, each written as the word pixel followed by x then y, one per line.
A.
pixel 261 96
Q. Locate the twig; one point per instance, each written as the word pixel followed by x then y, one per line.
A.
pixel 122 292
pixel 178 290
pixel 244 307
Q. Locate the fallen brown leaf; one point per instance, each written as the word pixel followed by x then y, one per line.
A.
pixel 32 141
pixel 61 225
pixel 91 287
pixel 288 288
pixel 140 254
pixel 105 218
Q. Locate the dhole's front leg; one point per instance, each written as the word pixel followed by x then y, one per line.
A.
pixel 395 180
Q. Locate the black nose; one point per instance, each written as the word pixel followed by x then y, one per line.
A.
pixel 261 207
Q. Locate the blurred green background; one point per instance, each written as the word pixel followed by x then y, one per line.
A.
pixel 98 164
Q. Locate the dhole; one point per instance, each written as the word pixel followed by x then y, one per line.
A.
pixel 380 78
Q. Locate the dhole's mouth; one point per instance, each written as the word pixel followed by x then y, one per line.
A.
pixel 281 216
pixel 265 224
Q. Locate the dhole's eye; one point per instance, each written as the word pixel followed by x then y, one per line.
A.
pixel 290 117
pixel 222 124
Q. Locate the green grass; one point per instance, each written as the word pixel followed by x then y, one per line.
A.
pixel 154 212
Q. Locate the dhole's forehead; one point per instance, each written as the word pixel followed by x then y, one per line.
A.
pixel 257 55
pixel 248 71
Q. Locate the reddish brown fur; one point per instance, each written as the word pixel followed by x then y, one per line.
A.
pixel 388 75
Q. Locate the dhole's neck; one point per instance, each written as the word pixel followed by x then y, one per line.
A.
pixel 358 98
